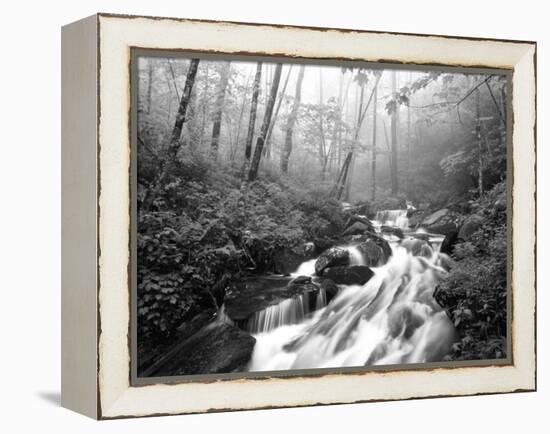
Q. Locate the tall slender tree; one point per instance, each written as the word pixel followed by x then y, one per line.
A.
pixel 174 144
pixel 323 151
pixel 281 97
pixel 346 181
pixel 149 83
pixel 409 136
pixel 342 179
pixel 182 109
pixel 337 130
pixel 479 145
pixel 287 149
pixel 373 161
pixel 393 129
pixel 217 119
pixel 205 101
pixel 253 172
pixel 239 121
pixel 252 118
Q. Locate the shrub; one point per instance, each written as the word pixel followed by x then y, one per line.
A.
pixel 206 231
pixel 475 292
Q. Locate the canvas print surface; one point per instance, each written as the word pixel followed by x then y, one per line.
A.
pixel 301 216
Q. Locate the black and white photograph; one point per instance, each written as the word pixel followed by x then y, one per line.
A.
pixel 302 216
pixel 235 217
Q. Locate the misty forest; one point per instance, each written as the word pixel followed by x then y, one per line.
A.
pixel 296 216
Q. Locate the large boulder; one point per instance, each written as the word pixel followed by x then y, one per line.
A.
pixel 470 225
pixel 392 230
pixel 330 288
pixel 435 217
pixel 287 261
pixel 362 208
pixel 448 244
pixel 300 280
pixel 358 228
pixel 330 258
pixel 322 244
pixel 349 275
pixel 216 348
pixel 450 232
pixel 359 218
pixel 443 228
pixel 375 250
pixel 423 236
pixel 150 360
pixel 256 293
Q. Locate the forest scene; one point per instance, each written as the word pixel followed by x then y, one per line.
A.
pixel 300 216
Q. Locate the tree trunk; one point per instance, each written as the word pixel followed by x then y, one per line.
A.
pixel 252 118
pixel 409 145
pixel 348 176
pixel 287 150
pixel 394 180
pixel 409 138
pixel 253 173
pixel 503 102
pixel 479 145
pixel 336 131
pixel 323 154
pixel 373 163
pixel 345 105
pixel 267 81
pixel 241 114
pixel 388 149
pixel 342 177
pixel 341 181
pixel 174 79
pixel 205 100
pixel 193 127
pixel 174 144
pixel 182 110
pixel 217 118
pixel 149 83
pixel 267 147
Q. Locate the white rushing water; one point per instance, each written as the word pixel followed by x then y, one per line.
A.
pixel 395 217
pixel 392 319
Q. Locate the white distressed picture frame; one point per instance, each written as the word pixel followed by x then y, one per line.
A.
pixel 96 216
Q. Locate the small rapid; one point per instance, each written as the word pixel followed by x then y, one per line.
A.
pixel 392 319
pixel 396 218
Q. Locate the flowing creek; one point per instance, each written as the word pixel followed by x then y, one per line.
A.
pixel 391 319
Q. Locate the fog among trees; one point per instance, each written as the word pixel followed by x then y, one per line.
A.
pixel 363 133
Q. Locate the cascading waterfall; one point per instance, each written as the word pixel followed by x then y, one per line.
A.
pixel 321 299
pixel 355 256
pixel 392 319
pixel 290 311
pixel 396 217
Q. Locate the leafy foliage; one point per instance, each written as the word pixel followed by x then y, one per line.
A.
pixel 187 258
pixel 402 97
pixel 475 292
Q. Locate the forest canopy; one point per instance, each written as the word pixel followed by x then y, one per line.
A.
pixel 367 134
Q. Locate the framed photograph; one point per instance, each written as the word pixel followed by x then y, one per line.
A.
pixel 261 216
